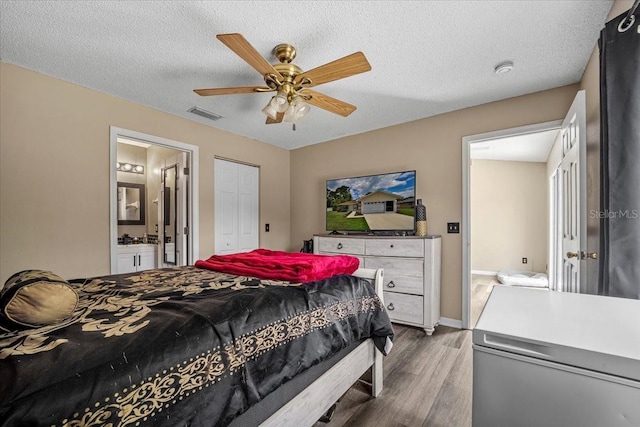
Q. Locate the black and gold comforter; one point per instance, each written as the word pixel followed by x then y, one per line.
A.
pixel 180 346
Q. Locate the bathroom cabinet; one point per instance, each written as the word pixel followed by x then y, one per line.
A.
pixel 132 258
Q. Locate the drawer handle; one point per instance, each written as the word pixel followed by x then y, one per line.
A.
pixel 391 245
pixel 391 284
pixel 339 245
pixel 390 307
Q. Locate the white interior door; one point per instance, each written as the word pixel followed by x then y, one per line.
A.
pixel 573 196
pixel 555 220
pixel 235 207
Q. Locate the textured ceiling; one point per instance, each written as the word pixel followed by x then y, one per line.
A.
pixel 427 58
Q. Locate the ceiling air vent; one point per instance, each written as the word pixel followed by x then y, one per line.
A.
pixel 204 113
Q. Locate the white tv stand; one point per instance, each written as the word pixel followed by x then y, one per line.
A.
pixel 411 272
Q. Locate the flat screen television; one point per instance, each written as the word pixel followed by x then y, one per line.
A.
pixel 382 204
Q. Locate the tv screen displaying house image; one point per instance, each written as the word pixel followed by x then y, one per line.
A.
pixel 372 203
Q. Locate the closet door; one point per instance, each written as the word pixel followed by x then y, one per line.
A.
pixel 235 207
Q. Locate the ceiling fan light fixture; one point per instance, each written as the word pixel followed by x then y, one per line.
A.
pixel 290 114
pixel 270 111
pixel 279 102
pixel 302 109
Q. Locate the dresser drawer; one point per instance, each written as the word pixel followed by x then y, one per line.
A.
pixel 337 245
pixel 400 274
pixel 404 308
pixel 395 247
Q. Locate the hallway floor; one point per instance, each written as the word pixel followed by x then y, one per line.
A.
pixel 481 287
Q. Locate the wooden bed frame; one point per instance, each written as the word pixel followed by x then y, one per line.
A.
pixel 307 407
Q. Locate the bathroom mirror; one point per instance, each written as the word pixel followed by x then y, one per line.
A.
pixel 131 204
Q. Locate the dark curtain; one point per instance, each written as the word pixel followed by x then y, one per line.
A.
pixel 620 156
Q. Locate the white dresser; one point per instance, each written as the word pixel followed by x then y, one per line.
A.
pixel 411 272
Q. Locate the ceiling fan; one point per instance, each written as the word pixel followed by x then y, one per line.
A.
pixel 292 85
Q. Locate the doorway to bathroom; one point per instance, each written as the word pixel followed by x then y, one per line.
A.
pixel 153 180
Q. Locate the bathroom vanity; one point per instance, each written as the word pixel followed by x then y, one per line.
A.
pixel 136 257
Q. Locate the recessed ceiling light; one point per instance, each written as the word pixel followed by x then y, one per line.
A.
pixel 503 67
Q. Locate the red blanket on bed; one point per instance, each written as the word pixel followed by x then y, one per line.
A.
pixel 278 265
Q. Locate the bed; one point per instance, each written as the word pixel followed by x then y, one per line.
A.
pixel 529 279
pixel 190 346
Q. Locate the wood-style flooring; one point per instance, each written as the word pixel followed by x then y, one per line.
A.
pixel 427 379
pixel 427 382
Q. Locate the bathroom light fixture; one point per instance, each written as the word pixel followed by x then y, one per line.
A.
pixel 503 67
pixel 129 167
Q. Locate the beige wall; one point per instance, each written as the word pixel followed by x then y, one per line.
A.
pixel 591 83
pixel 432 147
pixel 508 215
pixel 54 173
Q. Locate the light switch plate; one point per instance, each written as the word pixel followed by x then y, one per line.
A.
pixel 453 227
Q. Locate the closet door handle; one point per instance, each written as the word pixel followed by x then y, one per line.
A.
pixel 390 307
pixel 139 260
pixel 339 245
pixel 391 284
pixel 134 260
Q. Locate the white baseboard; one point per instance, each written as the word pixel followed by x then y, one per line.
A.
pixel 452 323
pixel 484 272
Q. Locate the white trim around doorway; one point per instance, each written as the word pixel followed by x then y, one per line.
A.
pixel 466 217
pixel 194 211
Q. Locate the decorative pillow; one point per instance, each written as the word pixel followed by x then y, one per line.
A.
pixel 34 298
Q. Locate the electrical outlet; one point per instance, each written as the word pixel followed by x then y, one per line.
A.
pixel 453 227
pixel 524 260
pixel 266 228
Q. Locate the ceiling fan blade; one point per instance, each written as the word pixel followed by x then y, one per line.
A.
pixel 232 90
pixel 278 119
pixel 237 43
pixel 328 103
pixel 350 65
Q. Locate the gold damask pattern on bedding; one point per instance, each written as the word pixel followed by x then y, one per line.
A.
pixel 149 397
pixel 105 307
pixel 179 346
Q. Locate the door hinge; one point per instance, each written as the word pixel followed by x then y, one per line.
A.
pixel 186 230
pixel 185 171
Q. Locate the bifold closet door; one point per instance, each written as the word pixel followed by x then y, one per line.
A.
pixel 620 156
pixel 236 207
